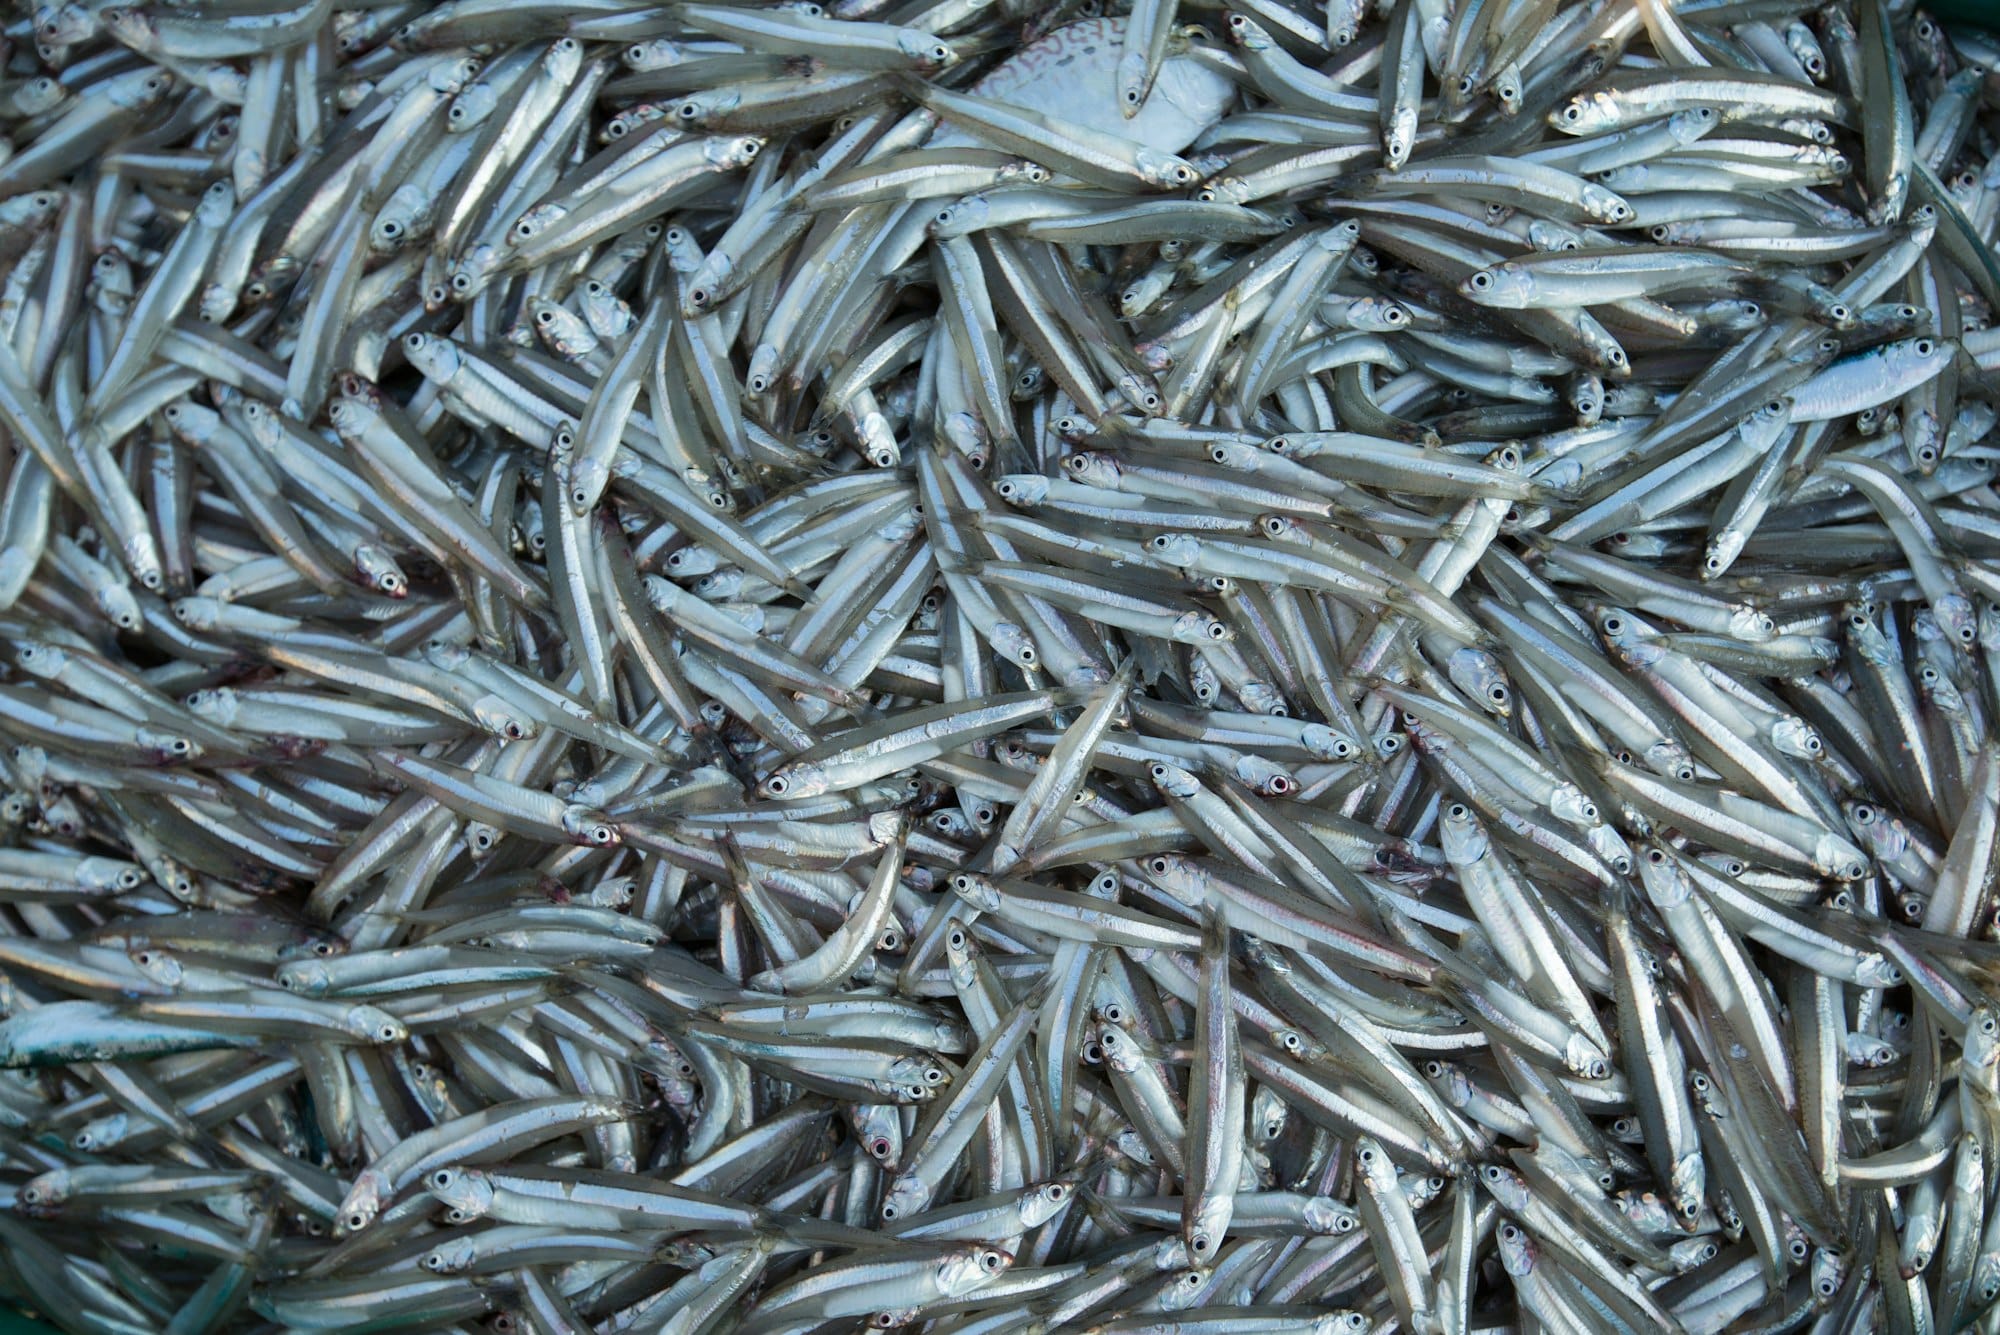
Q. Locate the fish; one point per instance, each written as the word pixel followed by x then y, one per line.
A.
pixel 974 666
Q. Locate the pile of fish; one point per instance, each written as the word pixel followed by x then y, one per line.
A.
pixel 985 667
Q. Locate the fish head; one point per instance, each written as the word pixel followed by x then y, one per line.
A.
pixel 45 1193
pixel 1585 1059
pixel 1204 1233
pixel 310 978
pixel 166 748
pixel 907 1196
pixel 1184 1290
pixel 377 569
pixel 1689 1253
pixel 1589 112
pixel 1506 285
pixel 1346 1321
pixel 40 658
pixel 1399 136
pixel 965 1269
pixel 1376 1168
pixel 372 1024
pixel 1834 856
pixel 880 1131
pixel 452 1257
pixel 589 828
pixel 437 358
pixel 1957 618
pixel 1014 644
pixel 119 605
pixel 1751 624
pixel 1328 1217
pixel 467 1192
pixel 1175 549
pixel 1721 552
pixel 1605 206
pixel 499 718
pixel 1793 736
pixel 101 1133
pixel 925 51
pixel 1044 1202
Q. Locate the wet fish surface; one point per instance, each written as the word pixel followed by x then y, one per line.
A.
pixel 999 668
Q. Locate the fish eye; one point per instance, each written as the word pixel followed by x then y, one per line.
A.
pixel 1925 347
pixel 1482 280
